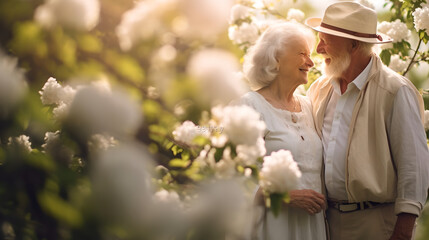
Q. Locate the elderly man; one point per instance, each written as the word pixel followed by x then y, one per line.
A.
pixel 376 159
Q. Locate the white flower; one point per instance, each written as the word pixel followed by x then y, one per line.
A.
pixel 53 93
pixel 397 30
pixel 13 86
pixel 61 111
pixel 94 111
pixel 225 168
pixel 219 141
pixel 217 74
pixel 21 143
pixel 168 197
pixel 54 147
pixel 144 21
pixel 397 64
pixel 367 3
pixel 206 18
pixel 245 33
pixel 187 132
pixel 426 120
pixel 76 14
pixel 241 124
pixel 121 183
pixel 101 142
pixel 238 12
pixel 249 154
pixel 421 18
pixel 279 173
pixel 295 14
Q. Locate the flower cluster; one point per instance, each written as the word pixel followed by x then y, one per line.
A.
pixel 13 85
pixel 397 30
pixel 421 18
pixel 280 173
pixel 397 64
pixel 20 144
pixel 75 14
pixel 239 143
pixel 250 19
pixel 187 132
pixel 192 18
pixel 217 73
pixel 53 93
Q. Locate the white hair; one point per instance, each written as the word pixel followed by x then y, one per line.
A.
pixel 260 64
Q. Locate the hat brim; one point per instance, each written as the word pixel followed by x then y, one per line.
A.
pixel 314 23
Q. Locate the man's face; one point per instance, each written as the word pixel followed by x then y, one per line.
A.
pixel 336 51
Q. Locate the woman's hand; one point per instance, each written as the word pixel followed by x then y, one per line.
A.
pixel 307 199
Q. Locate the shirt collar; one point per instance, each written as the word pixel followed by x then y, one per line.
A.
pixel 361 79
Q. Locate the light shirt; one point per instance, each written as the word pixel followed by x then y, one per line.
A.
pixel 406 137
pixel 335 132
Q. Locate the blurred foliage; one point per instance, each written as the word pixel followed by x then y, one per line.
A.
pixel 48 197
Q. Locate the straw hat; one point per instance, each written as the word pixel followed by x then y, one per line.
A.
pixel 349 20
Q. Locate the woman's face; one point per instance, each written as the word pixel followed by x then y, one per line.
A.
pixel 294 61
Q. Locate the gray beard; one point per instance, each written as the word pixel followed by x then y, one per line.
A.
pixel 336 68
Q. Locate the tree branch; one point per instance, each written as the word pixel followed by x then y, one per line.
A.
pixel 412 59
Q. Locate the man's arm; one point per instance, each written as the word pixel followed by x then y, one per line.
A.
pixel 411 157
pixel 404 227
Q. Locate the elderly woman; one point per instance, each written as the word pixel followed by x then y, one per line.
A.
pixel 275 66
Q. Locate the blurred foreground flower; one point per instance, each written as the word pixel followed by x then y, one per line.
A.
pixel 295 14
pixel 121 184
pixel 206 18
pixel 280 173
pixel 75 14
pixel 94 111
pixel 13 85
pixel 217 73
pixel 144 21
pixel 237 120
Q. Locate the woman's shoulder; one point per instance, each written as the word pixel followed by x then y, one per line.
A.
pixel 250 98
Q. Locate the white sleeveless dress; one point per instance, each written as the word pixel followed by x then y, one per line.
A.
pixel 294 132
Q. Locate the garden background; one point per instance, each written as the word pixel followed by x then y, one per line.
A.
pixel 114 115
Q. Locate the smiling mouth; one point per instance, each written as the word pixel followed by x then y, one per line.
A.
pixel 303 70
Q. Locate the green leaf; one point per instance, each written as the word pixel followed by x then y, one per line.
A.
pixel 218 154
pixel 41 161
pixel 89 43
pixel 385 56
pixel 276 203
pixel 176 150
pixel 201 141
pixel 177 162
pixel 125 66
pixel 53 205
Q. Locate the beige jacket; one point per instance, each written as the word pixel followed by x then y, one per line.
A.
pixel 370 171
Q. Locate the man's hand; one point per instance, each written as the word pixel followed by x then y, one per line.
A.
pixel 307 199
pixel 404 227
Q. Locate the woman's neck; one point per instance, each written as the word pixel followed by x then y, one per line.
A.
pixel 280 90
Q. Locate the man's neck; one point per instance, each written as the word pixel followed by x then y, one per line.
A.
pixel 357 65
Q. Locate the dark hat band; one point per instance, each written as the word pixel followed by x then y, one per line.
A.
pixel 357 34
